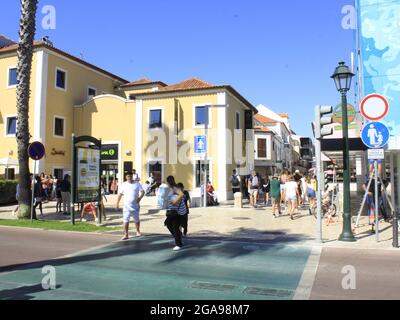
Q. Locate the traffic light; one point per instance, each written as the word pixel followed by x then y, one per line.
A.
pixel 323 117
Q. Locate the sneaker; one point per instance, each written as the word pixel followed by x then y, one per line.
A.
pixel 274 215
pixel 177 248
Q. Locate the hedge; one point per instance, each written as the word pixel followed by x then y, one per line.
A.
pixel 7 191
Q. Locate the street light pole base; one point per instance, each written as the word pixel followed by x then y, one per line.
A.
pixel 347 237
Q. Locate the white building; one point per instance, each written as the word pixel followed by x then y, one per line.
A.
pixel 278 123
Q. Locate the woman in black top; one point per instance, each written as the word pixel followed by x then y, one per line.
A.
pixel 266 188
pixel 38 197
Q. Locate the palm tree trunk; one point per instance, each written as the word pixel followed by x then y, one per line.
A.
pixel 25 53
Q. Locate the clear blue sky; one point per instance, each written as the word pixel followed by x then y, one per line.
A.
pixel 278 53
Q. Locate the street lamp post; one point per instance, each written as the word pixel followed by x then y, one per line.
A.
pixel 343 77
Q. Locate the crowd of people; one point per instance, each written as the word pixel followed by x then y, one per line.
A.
pixel 48 188
pixel 284 190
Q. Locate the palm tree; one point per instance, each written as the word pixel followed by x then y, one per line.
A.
pixel 25 52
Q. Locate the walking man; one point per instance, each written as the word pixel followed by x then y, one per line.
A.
pixel 235 182
pixel 133 193
pixel 254 186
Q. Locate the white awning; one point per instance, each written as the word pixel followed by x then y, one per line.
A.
pixel 9 162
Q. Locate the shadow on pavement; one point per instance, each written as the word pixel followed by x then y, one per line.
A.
pixel 207 246
pixel 22 293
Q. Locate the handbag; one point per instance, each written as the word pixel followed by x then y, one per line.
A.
pixel 174 212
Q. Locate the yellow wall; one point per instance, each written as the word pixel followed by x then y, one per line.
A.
pixel 109 118
pixel 138 90
pixel 61 103
pixel 8 106
pixel 182 173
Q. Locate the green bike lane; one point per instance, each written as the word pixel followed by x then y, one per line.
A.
pixel 147 269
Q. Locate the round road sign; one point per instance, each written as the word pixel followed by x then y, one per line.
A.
pixel 36 151
pixel 375 135
pixel 374 107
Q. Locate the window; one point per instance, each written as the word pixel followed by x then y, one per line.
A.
pixel 59 127
pixel 237 120
pixel 61 79
pixel 200 116
pixel 200 167
pixel 9 173
pixel 155 119
pixel 91 92
pixel 12 77
pixel 58 174
pixel 262 148
pixel 11 126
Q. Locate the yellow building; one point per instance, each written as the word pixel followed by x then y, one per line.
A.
pixel 144 125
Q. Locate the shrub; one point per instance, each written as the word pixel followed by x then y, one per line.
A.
pixel 7 191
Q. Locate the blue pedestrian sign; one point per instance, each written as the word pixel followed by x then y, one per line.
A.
pixel 36 151
pixel 200 144
pixel 375 135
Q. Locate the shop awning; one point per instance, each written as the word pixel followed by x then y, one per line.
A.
pixel 9 162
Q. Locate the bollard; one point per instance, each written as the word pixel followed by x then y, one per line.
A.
pixel 238 200
pixel 396 229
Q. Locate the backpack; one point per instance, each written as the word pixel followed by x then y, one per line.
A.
pixel 235 181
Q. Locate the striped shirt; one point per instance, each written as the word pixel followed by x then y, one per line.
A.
pixel 180 207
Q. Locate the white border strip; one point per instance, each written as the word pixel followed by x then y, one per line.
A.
pixel 303 291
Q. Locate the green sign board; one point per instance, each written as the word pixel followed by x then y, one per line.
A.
pixel 109 152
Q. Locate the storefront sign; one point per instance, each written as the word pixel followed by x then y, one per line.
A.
pixel 109 152
pixel 87 175
pixel 55 152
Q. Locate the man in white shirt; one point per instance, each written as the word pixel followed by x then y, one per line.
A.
pixel 133 193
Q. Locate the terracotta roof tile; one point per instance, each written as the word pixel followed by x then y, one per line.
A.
pixel 140 81
pixel 144 81
pixel 193 83
pixel 263 119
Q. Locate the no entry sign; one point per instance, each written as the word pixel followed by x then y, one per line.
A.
pixel 374 107
pixel 36 151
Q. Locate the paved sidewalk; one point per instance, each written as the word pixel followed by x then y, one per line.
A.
pixel 247 223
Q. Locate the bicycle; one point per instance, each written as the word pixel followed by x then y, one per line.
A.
pixel 327 207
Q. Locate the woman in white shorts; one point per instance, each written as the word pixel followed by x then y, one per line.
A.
pixel 291 192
